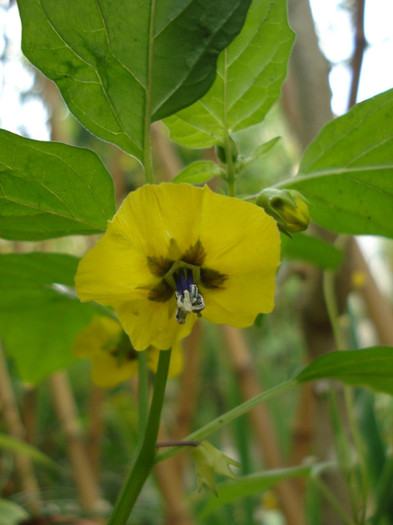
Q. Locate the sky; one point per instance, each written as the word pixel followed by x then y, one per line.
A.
pixel 336 36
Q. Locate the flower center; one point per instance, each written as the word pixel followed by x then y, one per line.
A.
pixel 187 295
pixel 121 349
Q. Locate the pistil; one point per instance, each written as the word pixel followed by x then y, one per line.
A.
pixel 187 295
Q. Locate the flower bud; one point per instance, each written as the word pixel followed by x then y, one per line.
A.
pixel 288 208
pixel 209 461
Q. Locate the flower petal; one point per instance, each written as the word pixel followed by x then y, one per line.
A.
pixel 113 270
pixel 161 219
pixel 238 237
pixel 152 323
pixel 107 372
pixel 242 299
pixel 95 336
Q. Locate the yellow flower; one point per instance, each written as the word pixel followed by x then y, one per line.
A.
pixel 113 357
pixel 174 252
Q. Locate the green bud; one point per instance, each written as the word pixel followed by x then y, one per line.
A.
pixel 233 150
pixel 288 208
pixel 210 461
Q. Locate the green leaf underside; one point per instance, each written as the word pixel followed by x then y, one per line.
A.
pixel 347 171
pixel 305 248
pixel 48 189
pixel 244 486
pixel 121 64
pixel 199 172
pixel 21 270
pixel 369 367
pixel 248 82
pixel 38 324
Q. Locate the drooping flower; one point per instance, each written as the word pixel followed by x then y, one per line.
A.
pixel 210 461
pixel 174 252
pixel 113 358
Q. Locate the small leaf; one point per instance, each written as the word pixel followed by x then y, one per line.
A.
pixel 17 446
pixel 48 189
pixel 11 513
pixel 251 484
pixel 264 148
pixel 120 65
pixel 250 73
pixel 347 171
pixel 310 249
pixel 199 172
pixel 370 367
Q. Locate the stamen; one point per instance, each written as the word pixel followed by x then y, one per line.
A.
pixel 187 295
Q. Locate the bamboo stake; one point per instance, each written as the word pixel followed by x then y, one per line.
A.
pixel 170 482
pixel 95 432
pixel 68 417
pixel 189 384
pixel 261 422
pixel 378 306
pixel 23 465
pixel 29 413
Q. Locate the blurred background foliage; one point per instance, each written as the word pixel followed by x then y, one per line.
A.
pixel 90 433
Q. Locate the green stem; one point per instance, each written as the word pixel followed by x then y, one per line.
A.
pixel 230 416
pixel 333 313
pixel 230 168
pixel 144 459
pixel 147 160
pixel 333 501
pixel 332 309
pixel 143 392
pixel 383 489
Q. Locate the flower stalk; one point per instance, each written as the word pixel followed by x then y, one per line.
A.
pixel 143 392
pixel 144 458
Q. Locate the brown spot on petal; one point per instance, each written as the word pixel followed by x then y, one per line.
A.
pixel 195 255
pixel 159 265
pixel 161 293
pixel 212 278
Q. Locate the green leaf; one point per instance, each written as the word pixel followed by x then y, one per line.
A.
pixel 370 367
pixel 39 319
pixel 347 171
pixel 11 513
pixel 48 189
pixel 199 172
pixel 250 74
pixel 36 270
pixel 264 148
pixel 17 446
pixel 120 65
pixel 244 486
pixel 310 249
